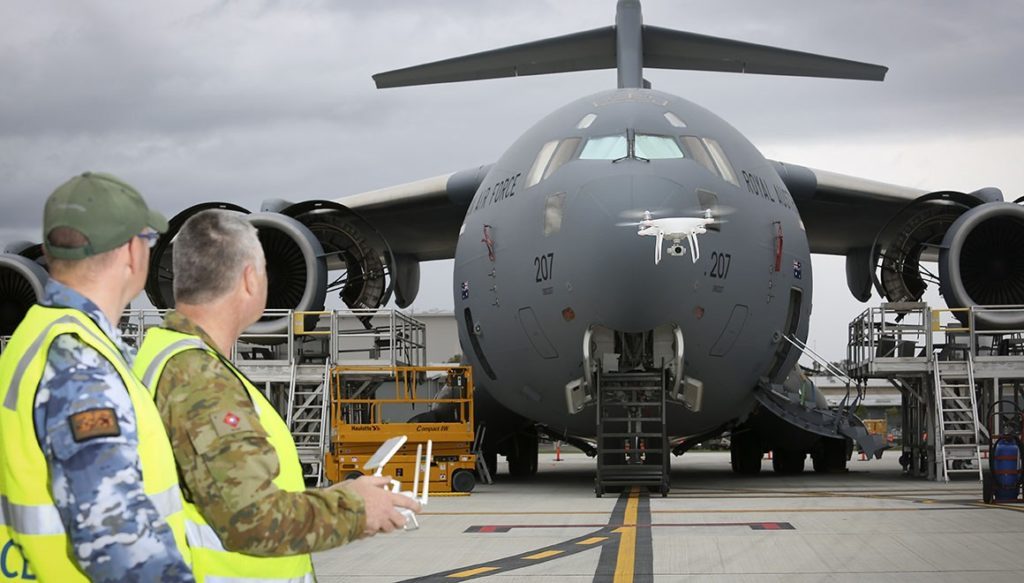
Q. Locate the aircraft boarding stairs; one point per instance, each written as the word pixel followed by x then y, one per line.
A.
pixel 630 378
pixel 632 446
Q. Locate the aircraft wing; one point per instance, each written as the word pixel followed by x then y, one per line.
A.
pixel 842 213
pixel 421 219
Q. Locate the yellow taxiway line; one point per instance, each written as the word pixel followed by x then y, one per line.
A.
pixel 627 542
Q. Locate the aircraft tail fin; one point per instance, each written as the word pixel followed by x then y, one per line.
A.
pixel 599 48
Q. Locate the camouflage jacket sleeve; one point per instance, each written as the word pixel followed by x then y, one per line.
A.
pixel 228 467
pixel 85 423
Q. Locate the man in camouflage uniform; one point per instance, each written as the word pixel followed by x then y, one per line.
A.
pixel 97 233
pixel 236 457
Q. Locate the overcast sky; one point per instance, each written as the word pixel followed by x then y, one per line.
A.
pixel 241 101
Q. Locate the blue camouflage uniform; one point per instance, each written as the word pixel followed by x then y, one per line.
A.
pixel 117 533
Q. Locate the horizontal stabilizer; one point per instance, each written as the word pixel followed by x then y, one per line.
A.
pixel 674 49
pixel 581 51
pixel 596 49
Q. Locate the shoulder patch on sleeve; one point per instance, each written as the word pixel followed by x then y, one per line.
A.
pixel 94 423
pixel 228 423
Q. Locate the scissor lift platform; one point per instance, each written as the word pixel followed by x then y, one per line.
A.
pixel 371 404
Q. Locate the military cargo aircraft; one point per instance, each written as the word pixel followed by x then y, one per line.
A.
pixel 559 299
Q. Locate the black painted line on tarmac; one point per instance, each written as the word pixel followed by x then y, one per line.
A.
pixel 605 572
pixel 643 566
pixel 605 536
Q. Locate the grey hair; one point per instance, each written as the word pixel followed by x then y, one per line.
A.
pixel 210 253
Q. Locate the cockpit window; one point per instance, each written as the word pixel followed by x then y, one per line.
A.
pixel 695 148
pixel 563 153
pixel 604 148
pixel 551 156
pixel 586 121
pixel 724 167
pixel 709 154
pixel 657 147
pixel 540 163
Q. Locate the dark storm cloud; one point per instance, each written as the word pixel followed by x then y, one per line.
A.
pixel 242 101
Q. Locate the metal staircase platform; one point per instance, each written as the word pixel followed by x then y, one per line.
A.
pixel 632 445
pixel 956 421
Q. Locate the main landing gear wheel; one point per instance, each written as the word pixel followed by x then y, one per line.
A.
pixel 745 453
pixel 831 458
pixel 522 460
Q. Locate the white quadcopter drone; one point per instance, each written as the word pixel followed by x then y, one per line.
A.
pixel 675 229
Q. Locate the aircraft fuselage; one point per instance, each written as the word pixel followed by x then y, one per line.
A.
pixel 547 250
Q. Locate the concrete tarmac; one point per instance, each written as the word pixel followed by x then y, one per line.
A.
pixel 868 524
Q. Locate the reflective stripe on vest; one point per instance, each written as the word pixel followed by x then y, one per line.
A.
pixel 32 532
pixel 45 519
pixel 147 377
pixel 211 561
pixel 38 520
pixel 11 400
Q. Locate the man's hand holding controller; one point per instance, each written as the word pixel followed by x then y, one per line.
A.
pixel 386 509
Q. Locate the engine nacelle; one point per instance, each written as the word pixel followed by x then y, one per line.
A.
pixel 21 286
pixel 371 271
pixel 976 239
pixel 296 266
pixel 981 263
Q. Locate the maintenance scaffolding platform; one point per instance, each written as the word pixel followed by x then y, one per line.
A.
pixel 948 368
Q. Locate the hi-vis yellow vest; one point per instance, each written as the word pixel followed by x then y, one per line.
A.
pixel 211 562
pixel 33 542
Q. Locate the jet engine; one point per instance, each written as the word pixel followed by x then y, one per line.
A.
pixel 311 248
pixel 980 263
pixel 358 256
pixel 975 238
pixel 22 278
pixel 296 268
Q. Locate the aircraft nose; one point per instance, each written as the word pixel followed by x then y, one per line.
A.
pixel 632 292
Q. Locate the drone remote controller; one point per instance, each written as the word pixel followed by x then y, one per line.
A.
pixel 383 455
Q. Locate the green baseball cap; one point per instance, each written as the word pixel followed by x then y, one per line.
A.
pixel 104 208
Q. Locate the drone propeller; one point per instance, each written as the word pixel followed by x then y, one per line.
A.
pixel 640 215
pixel 634 216
pixel 717 212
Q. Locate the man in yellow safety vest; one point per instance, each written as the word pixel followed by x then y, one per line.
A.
pixel 249 514
pixel 88 487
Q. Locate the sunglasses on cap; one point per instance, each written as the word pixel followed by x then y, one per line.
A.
pixel 150 237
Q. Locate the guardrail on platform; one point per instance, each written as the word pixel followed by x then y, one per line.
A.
pixel 382 335
pixel 912 331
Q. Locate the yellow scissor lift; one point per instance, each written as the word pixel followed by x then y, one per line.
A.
pixel 365 400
